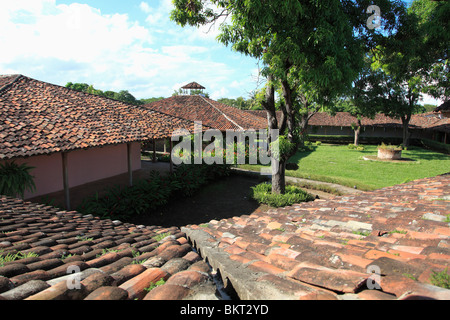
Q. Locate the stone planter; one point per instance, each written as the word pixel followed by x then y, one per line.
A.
pixel 389 154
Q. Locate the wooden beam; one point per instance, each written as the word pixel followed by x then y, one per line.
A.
pixel 65 172
pixel 170 160
pixel 154 151
pixel 129 163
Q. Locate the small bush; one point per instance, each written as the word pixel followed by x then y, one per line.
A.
pixel 263 194
pixel 164 157
pixel 146 195
pixel 15 179
pixel 389 147
pixel 351 146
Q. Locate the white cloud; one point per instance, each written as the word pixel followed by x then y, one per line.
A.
pixel 144 6
pixel 79 43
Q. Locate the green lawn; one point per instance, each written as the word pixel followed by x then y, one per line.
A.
pixel 338 164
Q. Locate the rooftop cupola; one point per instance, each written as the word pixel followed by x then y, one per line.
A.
pixel 192 88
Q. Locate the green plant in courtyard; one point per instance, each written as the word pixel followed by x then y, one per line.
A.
pixel 148 194
pixel 263 194
pixel 15 179
pixel 389 147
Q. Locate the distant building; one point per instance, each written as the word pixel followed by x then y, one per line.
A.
pixel 72 138
pixel 211 113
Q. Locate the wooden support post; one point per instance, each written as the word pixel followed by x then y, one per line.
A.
pixel 65 172
pixel 129 162
pixel 154 150
pixel 170 160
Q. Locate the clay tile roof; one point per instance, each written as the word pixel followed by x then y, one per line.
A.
pixel 443 107
pixel 193 85
pixel 42 118
pixel 329 249
pixel 114 260
pixel 428 120
pixel 211 113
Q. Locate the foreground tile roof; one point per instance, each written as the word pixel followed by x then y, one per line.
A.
pixel 42 118
pixel 325 249
pixel 114 260
pixel 212 113
pixel 328 249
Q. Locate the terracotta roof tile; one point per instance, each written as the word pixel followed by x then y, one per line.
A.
pixel 193 85
pixel 42 118
pixel 344 119
pixel 333 244
pixel 115 260
pixel 212 113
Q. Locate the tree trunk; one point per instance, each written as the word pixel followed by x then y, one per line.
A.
pixel 406 133
pixel 278 178
pixel 357 132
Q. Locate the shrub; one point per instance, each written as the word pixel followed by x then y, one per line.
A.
pixel 15 179
pixel 291 166
pixel 351 146
pixel 148 194
pixel 165 157
pixel 263 194
pixel 389 147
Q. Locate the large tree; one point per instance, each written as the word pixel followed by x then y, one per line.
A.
pixel 412 62
pixel 312 50
pixel 434 26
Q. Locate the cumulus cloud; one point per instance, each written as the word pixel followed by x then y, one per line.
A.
pixel 79 43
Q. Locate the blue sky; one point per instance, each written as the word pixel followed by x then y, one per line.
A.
pixel 118 45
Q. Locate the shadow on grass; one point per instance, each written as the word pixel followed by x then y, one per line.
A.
pixel 302 154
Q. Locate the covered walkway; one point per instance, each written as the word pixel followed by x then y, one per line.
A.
pixel 78 193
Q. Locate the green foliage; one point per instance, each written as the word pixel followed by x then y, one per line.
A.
pixel 122 95
pixel 239 103
pixel 148 194
pixel 441 279
pixel 389 147
pixel 15 179
pixel 351 146
pixel 435 145
pixel 263 194
pixel 152 286
pixel 16 256
pixel 337 164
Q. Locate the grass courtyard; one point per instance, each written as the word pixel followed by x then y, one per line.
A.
pixel 341 165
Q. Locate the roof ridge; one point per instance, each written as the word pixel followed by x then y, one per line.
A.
pixel 226 117
pixel 6 86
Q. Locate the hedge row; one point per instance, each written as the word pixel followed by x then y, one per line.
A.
pixel 121 203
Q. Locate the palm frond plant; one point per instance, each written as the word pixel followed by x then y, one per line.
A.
pixel 15 179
